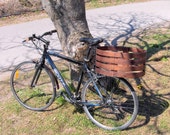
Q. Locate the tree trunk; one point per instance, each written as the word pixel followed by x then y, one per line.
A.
pixel 69 19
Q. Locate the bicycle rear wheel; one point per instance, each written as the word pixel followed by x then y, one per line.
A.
pixel 33 87
pixel 117 109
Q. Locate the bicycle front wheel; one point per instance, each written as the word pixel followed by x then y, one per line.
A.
pixel 114 106
pixel 33 87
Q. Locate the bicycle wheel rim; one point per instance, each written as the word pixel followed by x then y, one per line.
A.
pixel 118 115
pixel 35 98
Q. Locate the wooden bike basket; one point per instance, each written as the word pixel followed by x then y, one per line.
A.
pixel 122 62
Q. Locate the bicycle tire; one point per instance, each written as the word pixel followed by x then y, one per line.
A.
pixel 38 97
pixel 118 108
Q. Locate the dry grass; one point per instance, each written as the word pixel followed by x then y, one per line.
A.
pixel 29 16
pixel 22 18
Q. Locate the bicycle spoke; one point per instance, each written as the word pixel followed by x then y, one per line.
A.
pixel 38 95
pixel 117 109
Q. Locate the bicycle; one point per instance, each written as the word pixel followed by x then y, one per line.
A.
pixel 109 102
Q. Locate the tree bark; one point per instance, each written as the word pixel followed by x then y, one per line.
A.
pixel 69 18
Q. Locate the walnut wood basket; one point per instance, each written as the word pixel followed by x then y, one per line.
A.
pixel 122 62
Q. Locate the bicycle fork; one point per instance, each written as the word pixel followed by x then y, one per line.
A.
pixel 36 76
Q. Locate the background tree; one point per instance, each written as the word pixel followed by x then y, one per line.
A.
pixel 69 18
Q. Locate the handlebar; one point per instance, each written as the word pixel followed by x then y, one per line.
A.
pixel 49 33
pixel 90 41
pixel 31 38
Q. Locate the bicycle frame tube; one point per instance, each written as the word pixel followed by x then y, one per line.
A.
pixel 97 89
pixel 61 79
pixel 59 76
pixel 64 57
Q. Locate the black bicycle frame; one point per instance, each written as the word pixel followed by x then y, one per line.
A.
pixel 57 72
pixel 46 55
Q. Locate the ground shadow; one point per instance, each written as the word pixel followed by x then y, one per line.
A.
pixel 120 31
pixel 151 105
pixel 131 31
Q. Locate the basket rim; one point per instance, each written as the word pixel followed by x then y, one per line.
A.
pixel 123 49
pixel 121 52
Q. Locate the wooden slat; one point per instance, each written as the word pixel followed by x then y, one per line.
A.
pixel 120 54
pixel 119 67
pixel 123 62
pixel 120 74
pixel 119 61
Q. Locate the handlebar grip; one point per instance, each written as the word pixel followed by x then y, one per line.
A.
pixel 53 31
pixel 28 39
pixel 49 33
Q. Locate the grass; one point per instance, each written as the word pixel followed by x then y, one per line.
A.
pixel 62 118
pixel 99 3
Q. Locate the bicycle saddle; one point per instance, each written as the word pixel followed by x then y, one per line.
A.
pixel 91 41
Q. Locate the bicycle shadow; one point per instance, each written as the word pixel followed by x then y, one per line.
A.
pixel 151 105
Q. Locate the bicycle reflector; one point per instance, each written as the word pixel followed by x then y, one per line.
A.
pixel 16 74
